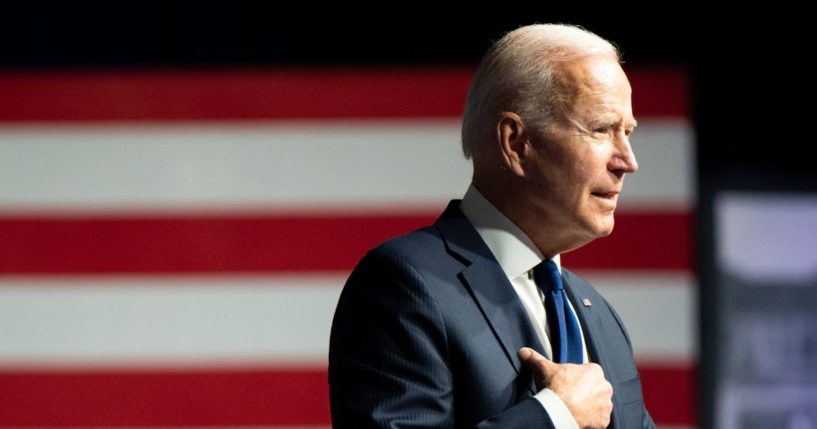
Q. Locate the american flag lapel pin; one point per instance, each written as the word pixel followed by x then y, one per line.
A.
pixel 587 302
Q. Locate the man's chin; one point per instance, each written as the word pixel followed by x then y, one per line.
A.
pixel 604 227
pixel 590 233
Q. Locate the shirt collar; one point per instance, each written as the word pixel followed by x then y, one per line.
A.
pixel 512 248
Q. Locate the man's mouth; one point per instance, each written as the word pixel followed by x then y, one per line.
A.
pixel 606 195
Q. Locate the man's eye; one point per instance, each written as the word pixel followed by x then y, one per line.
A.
pixel 601 130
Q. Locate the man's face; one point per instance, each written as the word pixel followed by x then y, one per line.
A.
pixel 576 168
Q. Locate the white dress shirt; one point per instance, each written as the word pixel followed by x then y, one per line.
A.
pixel 517 255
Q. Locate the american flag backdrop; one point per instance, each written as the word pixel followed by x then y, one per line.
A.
pixel 173 243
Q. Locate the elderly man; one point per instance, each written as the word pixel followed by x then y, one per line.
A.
pixel 471 322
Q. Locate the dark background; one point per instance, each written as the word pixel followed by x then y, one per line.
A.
pixel 748 64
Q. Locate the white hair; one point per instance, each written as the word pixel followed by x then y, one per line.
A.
pixel 517 75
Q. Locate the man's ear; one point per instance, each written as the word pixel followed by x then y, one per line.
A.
pixel 513 140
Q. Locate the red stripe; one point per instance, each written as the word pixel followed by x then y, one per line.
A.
pixel 660 92
pixel 227 398
pixel 650 241
pixel 669 392
pixel 283 243
pixel 274 94
pixel 200 95
pixel 136 399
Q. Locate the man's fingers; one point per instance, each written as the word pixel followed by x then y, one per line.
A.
pixel 532 358
pixel 543 369
pixel 525 353
pixel 583 388
pixel 529 355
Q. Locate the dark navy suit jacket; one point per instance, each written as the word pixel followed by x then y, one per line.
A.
pixel 426 335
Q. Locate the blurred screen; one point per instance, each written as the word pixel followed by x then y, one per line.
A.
pixel 765 314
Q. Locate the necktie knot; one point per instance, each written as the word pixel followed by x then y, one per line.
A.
pixel 547 276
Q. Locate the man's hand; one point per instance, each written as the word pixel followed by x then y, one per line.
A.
pixel 583 388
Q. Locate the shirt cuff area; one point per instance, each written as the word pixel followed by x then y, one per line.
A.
pixel 556 409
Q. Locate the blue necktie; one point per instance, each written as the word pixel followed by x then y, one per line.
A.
pixel 565 337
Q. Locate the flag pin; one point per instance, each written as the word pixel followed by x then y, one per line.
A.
pixel 587 302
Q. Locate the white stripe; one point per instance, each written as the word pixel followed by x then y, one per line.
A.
pixel 152 320
pixel 278 320
pixel 281 165
pixel 665 178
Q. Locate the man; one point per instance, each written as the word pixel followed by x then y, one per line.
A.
pixel 446 327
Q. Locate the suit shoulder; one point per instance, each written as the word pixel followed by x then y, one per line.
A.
pixel 583 288
pixel 415 257
pixel 415 246
pixel 396 269
pixel 578 282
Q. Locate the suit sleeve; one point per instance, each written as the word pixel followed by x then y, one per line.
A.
pixel 388 355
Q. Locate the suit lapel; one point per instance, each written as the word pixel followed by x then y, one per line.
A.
pixel 577 291
pixel 488 285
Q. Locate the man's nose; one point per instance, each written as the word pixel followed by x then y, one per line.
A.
pixel 623 159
